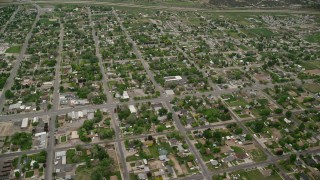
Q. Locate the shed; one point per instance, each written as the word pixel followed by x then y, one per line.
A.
pixel 132 109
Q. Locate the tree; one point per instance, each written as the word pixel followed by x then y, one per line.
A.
pixel 99 152
pixel 264 112
pixel 8 94
pixel 279 152
pixel 238 131
pixel 162 111
pixel 150 138
pixel 36 165
pixel 106 133
pixel 259 125
pixel 293 158
pixel 88 162
pixel 248 137
pixel 302 127
pixel 185 146
pixel 288 114
pixel 216 150
pixel 278 111
pixel 217 136
pixel 207 134
pixel 97 116
pixel 17 174
pixel 23 139
pixel 123 114
pixel 41 157
pixel 84 130
pixel 161 128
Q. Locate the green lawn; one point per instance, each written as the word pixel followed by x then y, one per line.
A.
pixel 154 149
pixel 29 174
pixel 243 115
pixel 310 65
pixel 256 174
pixel 258 155
pixel 207 157
pixel 264 32
pixel 13 49
pixel 133 176
pixel 46 21
pixel 133 158
pixel 63 138
pixel 237 149
pixel 237 103
pixel 313 38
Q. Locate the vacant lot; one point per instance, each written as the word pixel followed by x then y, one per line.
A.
pixel 6 129
pixel 13 49
pixel 312 87
pixel 310 65
pixel 313 38
pixel 263 32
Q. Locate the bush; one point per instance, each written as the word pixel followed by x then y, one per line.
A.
pixel 8 94
pixel 278 111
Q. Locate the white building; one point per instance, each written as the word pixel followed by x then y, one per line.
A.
pixel 42 139
pixel 25 123
pixel 132 109
pixel 169 80
pixel 125 95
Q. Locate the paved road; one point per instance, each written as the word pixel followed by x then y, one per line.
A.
pixel 18 117
pixel 120 148
pixel 56 85
pixel 56 102
pixel 98 54
pixel 262 164
pixel 14 154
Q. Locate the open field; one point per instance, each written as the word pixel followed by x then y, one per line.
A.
pixel 312 87
pixel 313 38
pixel 264 32
pixel 13 49
pixel 310 65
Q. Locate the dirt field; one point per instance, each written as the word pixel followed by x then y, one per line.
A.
pixel 176 165
pixel 113 155
pixel 276 133
pixel 6 129
pixel 184 169
pixel 313 72
pixel 155 164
